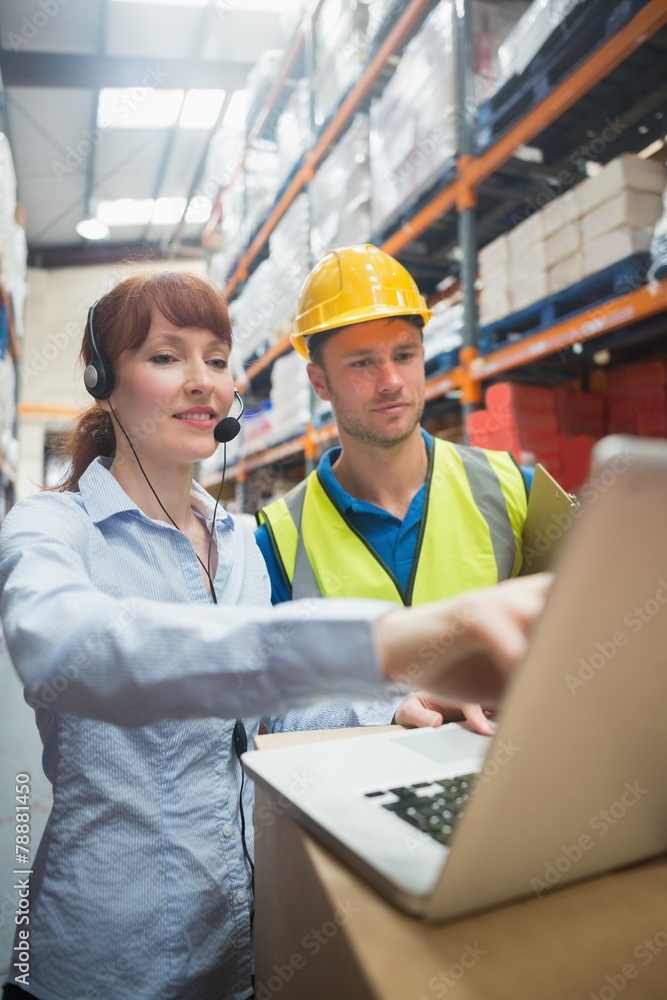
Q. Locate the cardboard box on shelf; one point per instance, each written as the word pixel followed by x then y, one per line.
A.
pixel 495 278
pixel 626 171
pixel 494 305
pixel 531 288
pixel 610 247
pixel 533 261
pixel 525 235
pixel 633 209
pixel 562 244
pixel 559 213
pixel 566 272
pixel 494 254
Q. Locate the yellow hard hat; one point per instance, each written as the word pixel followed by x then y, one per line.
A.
pixel 354 285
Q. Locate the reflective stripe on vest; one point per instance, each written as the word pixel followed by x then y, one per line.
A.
pixel 470 536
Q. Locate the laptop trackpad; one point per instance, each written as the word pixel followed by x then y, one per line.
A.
pixel 446 745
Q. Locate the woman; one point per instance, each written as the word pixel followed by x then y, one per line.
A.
pixel 116 598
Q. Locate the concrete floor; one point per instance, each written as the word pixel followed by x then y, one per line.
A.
pixel 20 751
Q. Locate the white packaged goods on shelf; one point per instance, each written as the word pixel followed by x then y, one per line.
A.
pixel 610 247
pixel 626 171
pixel 443 332
pixel 289 254
pixel 659 245
pixel 293 134
pixel 252 312
pixel 259 82
pixel 564 242
pixel 290 398
pixel 264 310
pixel 628 208
pixel 492 23
pixel 261 180
pixel 559 213
pixel 567 272
pixel 529 34
pixel 339 53
pixel 413 124
pixel 233 201
pixel 344 34
pixel 224 156
pixel 340 192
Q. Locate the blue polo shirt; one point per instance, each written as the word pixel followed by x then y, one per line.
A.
pixel 394 541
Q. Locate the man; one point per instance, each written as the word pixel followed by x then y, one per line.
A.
pixel 393 513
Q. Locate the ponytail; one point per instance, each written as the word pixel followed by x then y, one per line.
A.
pixel 92 436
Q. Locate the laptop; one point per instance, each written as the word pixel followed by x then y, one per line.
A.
pixel 573 783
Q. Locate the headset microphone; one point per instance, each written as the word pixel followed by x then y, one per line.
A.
pixel 228 428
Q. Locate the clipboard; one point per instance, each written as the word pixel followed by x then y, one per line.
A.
pixel 551 512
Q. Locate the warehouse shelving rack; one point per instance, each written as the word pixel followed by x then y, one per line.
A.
pixel 461 195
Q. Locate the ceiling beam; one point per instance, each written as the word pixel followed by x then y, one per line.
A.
pixel 109 253
pixel 92 72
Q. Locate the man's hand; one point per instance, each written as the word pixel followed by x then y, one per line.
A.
pixel 423 710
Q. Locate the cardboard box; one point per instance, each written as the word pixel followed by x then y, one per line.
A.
pixel 525 235
pixel 497 277
pixel 493 306
pixel 563 243
pixel 494 254
pixel 534 261
pixel 559 213
pixel 634 209
pixel 535 286
pixel 616 245
pixel 627 171
pixel 566 273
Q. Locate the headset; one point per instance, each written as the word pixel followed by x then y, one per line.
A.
pixel 99 377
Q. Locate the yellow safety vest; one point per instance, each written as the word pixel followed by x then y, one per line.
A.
pixel 474 511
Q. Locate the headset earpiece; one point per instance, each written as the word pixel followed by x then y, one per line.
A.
pixel 98 377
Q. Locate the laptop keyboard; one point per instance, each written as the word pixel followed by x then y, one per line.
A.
pixel 433 807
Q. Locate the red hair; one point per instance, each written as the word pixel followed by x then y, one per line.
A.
pixel 121 321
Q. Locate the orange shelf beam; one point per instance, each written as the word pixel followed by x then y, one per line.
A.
pixel 404 25
pixel 442 384
pixel 48 410
pixel 611 315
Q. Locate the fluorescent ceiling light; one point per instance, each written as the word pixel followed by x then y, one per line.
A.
pixel 138 107
pixel 199 210
pixel 167 211
pixel 92 229
pixel 201 108
pixel 125 212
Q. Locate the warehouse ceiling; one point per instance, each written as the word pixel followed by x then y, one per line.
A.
pixel 55 58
